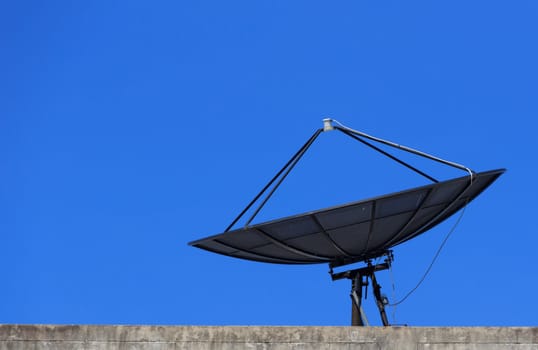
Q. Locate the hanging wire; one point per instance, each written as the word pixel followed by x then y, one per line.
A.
pixel 393 293
pixel 433 260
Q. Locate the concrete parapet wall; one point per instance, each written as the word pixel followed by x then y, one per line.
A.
pixel 41 337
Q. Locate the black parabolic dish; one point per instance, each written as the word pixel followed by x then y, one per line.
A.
pixel 351 232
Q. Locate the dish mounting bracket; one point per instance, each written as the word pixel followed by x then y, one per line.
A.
pixel 359 282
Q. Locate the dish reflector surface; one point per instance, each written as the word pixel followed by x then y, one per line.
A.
pixel 351 232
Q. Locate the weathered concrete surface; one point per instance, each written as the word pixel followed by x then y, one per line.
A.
pixel 41 337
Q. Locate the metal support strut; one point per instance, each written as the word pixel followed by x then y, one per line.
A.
pixel 359 280
pixel 281 175
pixel 357 135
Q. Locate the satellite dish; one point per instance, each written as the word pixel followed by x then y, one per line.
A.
pixel 354 232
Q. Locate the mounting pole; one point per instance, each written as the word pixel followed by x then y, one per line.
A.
pixel 358 317
pixel 359 280
pixel 380 300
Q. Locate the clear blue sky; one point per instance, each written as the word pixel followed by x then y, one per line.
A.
pixel 129 128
